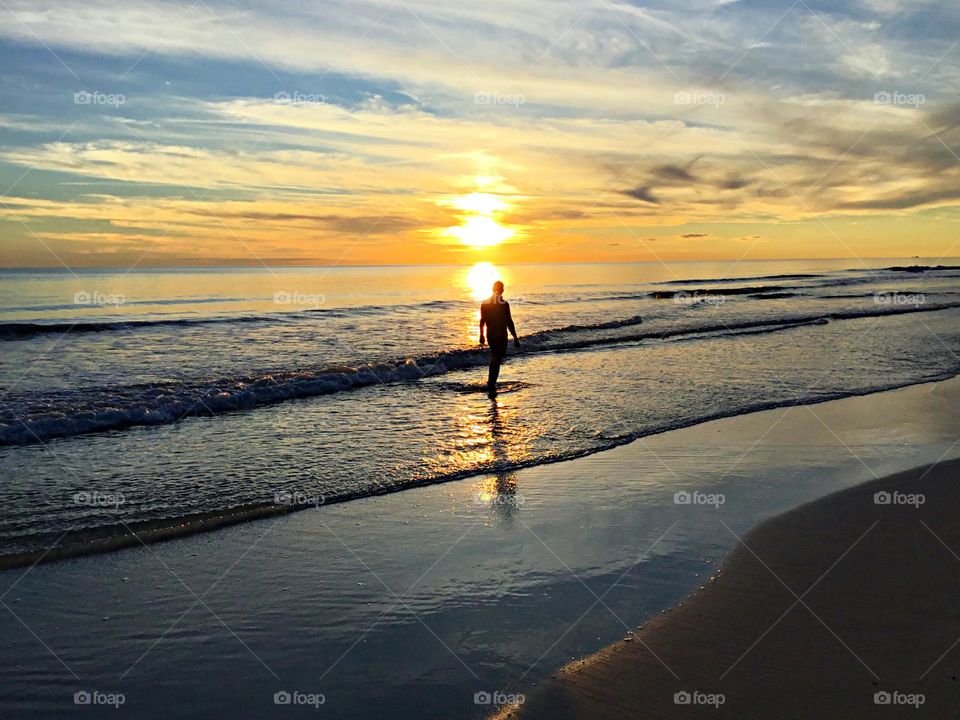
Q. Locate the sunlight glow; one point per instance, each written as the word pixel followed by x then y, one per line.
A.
pixel 480 203
pixel 480 231
pixel 479 216
pixel 480 278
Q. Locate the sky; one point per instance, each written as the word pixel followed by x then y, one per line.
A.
pixel 363 132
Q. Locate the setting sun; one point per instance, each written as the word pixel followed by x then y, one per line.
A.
pixel 480 231
pixel 479 218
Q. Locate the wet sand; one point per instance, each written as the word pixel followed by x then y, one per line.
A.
pixel 842 608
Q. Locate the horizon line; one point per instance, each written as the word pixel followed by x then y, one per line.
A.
pixel 124 268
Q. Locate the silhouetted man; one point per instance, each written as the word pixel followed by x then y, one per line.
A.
pixel 495 316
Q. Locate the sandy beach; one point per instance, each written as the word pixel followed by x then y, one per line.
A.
pixel 843 608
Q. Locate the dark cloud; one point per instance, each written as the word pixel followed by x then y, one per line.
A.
pixel 641 193
pixel 694 235
pixel 890 163
pixel 733 183
pixel 670 174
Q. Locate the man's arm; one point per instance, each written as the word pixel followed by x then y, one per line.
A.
pixel 511 328
pixel 483 321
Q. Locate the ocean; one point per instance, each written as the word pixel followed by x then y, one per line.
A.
pixel 165 397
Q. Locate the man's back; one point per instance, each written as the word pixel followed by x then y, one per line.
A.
pixel 495 312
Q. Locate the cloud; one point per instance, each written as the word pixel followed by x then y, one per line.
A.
pixel 643 194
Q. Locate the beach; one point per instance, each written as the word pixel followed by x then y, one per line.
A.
pixel 842 608
pixel 446 599
pixel 402 359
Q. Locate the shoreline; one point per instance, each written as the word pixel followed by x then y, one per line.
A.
pixel 137 533
pixel 449 590
pixel 834 609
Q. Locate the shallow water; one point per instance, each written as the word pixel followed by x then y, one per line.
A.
pixel 210 393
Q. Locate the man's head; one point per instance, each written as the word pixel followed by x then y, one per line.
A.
pixel 498 288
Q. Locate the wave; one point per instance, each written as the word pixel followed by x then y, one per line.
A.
pixel 43 416
pixel 692 293
pixel 753 278
pixel 921 268
pixel 22 330
pixel 703 287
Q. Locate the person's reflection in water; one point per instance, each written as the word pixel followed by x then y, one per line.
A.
pixel 505 500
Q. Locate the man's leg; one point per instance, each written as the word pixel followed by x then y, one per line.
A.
pixel 495 360
pixel 494 372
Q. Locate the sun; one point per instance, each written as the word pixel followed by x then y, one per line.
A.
pixel 480 231
pixel 479 218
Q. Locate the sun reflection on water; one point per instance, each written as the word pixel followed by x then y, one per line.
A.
pixel 478 280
